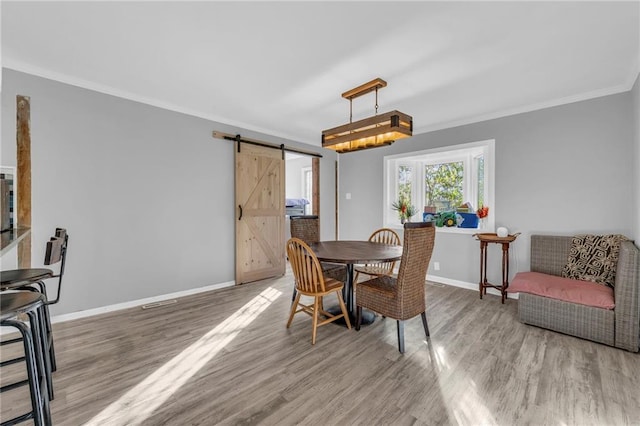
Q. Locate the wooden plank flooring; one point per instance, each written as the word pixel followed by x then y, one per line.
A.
pixel 225 357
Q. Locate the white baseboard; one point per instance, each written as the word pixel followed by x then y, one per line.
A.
pixel 467 285
pixel 127 305
pixel 139 302
pixel 154 299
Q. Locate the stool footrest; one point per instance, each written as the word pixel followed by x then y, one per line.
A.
pixel 17 420
pixel 12 361
pixel 12 386
pixel 11 341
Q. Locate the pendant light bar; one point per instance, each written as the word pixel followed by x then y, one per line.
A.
pixel 372 132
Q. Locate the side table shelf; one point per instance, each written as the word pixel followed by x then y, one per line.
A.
pixel 485 239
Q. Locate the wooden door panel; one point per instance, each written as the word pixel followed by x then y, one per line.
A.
pixel 260 213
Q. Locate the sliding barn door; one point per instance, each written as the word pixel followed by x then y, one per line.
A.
pixel 260 187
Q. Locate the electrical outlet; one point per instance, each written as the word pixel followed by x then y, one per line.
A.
pixel 348 196
pixel 436 266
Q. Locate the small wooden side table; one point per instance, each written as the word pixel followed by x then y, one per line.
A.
pixel 485 239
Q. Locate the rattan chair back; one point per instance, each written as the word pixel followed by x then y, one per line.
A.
pixel 401 297
pixel 416 254
pixel 306 228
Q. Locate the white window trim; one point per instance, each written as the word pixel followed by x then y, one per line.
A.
pixel 390 163
pixel 306 190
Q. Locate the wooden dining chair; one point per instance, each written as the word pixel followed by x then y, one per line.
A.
pixel 401 297
pixel 381 236
pixel 310 281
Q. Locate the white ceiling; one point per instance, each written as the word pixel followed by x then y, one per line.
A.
pixel 280 67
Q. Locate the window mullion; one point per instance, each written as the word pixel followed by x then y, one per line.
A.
pixel 473 180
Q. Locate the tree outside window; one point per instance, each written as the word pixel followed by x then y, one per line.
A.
pixel 443 185
pixel 480 176
pixel 404 183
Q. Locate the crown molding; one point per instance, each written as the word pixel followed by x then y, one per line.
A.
pixel 19 66
pixel 528 108
pixel 634 74
pixel 112 91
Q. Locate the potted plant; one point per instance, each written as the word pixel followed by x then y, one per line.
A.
pixel 404 209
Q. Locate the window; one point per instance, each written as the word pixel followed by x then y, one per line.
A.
pixel 307 188
pixel 404 181
pixel 441 178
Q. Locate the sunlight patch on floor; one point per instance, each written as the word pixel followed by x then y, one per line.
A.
pixel 142 400
pixel 441 358
pixel 470 409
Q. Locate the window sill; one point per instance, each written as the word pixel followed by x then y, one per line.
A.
pixel 466 231
pixel 452 230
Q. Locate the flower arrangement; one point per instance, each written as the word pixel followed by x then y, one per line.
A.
pixel 404 209
pixel 483 212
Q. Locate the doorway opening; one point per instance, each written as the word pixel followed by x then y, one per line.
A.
pixel 301 187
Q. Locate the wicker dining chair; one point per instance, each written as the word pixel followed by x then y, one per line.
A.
pixel 382 236
pixel 307 228
pixel 310 281
pixel 401 297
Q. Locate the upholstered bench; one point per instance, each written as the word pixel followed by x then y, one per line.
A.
pixel 566 289
pixel 585 309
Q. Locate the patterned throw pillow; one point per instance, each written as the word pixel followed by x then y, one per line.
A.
pixel 593 258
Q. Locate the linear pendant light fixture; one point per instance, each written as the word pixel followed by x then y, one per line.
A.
pixel 372 132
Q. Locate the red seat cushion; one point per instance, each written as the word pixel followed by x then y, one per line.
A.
pixel 565 289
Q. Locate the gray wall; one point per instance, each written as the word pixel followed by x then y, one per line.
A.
pixel 635 112
pixel 146 194
pixel 143 190
pixel 294 176
pixel 560 170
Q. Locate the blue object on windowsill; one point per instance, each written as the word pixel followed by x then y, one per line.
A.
pixel 428 217
pixel 470 220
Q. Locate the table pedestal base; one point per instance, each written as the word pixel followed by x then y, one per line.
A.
pixel 368 317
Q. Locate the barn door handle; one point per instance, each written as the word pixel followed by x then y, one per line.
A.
pixel 240 207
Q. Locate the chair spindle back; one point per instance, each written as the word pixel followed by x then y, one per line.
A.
pixel 305 266
pixel 386 236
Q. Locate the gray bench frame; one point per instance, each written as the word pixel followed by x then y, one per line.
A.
pixel 619 327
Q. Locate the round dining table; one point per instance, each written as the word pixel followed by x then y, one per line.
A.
pixel 351 253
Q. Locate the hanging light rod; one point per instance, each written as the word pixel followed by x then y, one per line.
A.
pixel 372 132
pixel 369 87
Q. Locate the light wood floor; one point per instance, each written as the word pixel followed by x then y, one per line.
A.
pixel 225 357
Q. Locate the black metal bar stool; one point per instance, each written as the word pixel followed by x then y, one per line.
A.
pixel 31 304
pixel 33 279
